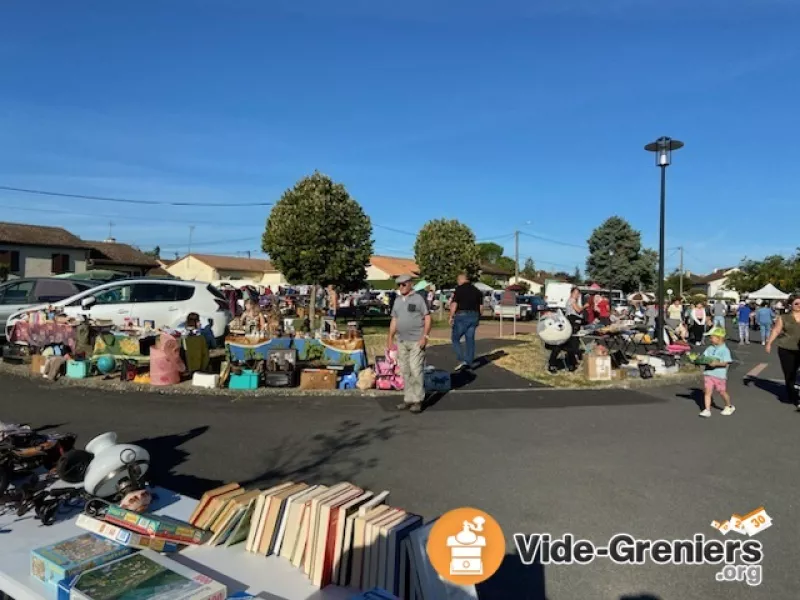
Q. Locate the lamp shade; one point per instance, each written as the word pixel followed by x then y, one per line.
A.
pixel 662 148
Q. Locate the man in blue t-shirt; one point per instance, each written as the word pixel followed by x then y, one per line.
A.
pixel 745 315
pixel 765 316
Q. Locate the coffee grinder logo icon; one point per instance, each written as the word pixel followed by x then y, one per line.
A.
pixel 466 548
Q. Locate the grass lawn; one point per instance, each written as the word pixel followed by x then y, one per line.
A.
pixel 529 360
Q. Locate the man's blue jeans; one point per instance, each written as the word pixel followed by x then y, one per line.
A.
pixel 719 321
pixel 766 329
pixel 464 325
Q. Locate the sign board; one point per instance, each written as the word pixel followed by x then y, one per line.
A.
pixel 508 299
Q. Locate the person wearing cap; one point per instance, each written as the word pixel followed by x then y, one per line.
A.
pixel 715 377
pixel 411 325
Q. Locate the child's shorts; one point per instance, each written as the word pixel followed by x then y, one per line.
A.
pixel 715 384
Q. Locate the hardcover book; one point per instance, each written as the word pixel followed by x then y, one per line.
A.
pixel 145 576
pixel 72 556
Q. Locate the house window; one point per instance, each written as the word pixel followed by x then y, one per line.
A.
pixel 10 259
pixel 61 264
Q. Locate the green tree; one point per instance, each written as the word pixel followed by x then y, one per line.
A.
pixel 673 282
pixel 577 277
pixel 529 270
pixel 443 249
pixel 616 257
pixel 317 234
pixel 489 252
pixel 782 272
pixel 506 263
pixel 155 252
pixel 488 280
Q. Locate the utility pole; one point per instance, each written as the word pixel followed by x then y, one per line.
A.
pixel 680 289
pixel 516 257
pixel 110 230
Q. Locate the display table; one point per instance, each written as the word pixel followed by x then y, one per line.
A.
pixel 271 578
pixel 335 352
pixel 43 334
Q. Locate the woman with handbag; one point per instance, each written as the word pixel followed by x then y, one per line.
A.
pixel 787 332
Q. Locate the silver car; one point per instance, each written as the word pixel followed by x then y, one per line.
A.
pixel 18 294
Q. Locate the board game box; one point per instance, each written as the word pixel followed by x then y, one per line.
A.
pixel 127 538
pixel 155 525
pixel 145 576
pixel 51 564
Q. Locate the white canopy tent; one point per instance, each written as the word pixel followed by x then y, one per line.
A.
pixel 483 287
pixel 768 292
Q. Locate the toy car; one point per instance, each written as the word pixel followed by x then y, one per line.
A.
pixel 23 450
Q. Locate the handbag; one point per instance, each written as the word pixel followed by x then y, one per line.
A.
pixel 646 371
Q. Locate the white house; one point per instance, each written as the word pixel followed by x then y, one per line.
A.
pixel 210 267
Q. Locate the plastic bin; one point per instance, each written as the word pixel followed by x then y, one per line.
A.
pixel 246 380
pixel 78 369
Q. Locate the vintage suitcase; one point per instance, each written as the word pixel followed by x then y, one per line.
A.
pixel 317 379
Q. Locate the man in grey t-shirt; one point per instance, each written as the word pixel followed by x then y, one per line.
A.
pixel 719 311
pixel 411 325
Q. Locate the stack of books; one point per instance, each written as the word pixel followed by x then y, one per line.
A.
pixel 339 534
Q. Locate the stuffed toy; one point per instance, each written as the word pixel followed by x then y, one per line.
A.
pixel 554 329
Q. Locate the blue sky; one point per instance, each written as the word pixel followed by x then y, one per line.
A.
pixel 509 114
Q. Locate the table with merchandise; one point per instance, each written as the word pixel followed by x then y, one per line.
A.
pixel 239 571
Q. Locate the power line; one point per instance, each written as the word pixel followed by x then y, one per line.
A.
pixel 560 243
pixel 394 230
pixel 214 243
pixel 129 201
pixel 160 219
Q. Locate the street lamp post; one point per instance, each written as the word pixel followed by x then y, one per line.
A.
pixel 662 148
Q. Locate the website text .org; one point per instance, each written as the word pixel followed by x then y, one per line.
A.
pixel 741 558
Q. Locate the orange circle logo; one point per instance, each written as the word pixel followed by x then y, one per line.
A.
pixel 466 546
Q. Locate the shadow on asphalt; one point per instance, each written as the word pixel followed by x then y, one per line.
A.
pixel 773 387
pixel 640 597
pixel 698 395
pixel 324 458
pixel 514 580
pixel 327 457
pixel 167 455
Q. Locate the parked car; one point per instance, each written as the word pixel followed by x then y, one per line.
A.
pixel 537 304
pixel 167 302
pixel 521 312
pixel 21 293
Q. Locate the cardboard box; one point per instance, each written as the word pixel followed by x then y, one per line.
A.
pixel 73 556
pixel 37 364
pixel 598 368
pixel 317 379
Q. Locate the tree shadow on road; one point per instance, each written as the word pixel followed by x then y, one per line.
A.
pixel 332 456
pixel 166 455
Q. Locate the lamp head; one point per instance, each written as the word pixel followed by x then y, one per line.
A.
pixel 663 148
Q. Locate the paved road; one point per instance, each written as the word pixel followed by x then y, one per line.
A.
pixel 588 462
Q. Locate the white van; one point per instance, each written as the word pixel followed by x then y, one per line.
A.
pixel 166 302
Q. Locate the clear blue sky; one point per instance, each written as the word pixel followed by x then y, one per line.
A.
pixel 506 114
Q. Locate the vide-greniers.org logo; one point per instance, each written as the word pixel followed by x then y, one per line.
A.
pixel 741 558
